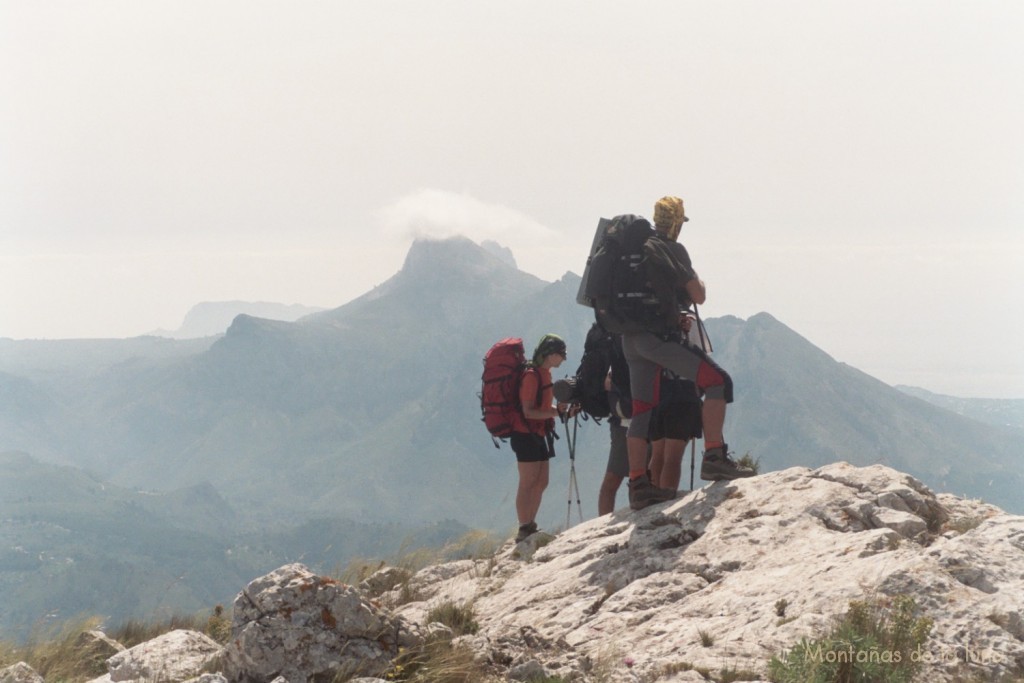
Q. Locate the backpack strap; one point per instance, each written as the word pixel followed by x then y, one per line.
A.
pixel 549 426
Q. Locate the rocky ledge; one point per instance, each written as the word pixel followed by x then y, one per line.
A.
pixel 723 578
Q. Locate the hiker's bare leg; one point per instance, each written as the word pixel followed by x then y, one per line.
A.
pixel 713 417
pixel 637 447
pixel 533 479
pixel 606 495
pixel 671 470
pixel 657 460
pixel 643 350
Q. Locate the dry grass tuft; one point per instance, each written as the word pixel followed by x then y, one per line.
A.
pixel 439 661
pixel 57 654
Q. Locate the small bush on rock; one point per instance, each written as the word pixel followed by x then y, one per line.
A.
pixel 218 625
pixel 749 461
pixel 873 641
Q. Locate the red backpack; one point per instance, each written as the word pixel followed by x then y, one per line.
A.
pixel 504 365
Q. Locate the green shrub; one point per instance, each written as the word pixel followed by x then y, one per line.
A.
pixel 748 461
pixel 218 626
pixel 871 642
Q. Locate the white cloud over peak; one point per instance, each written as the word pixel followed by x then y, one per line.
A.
pixel 441 213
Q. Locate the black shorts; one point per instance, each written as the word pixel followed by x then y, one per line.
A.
pixel 531 447
pixel 680 420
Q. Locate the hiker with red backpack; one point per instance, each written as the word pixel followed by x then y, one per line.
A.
pixel 517 401
pixel 532 439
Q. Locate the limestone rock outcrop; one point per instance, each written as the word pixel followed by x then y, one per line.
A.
pixel 175 656
pixel 298 625
pixel 719 579
pixel 731 574
pixel 19 673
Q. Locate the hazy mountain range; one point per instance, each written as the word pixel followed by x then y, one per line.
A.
pixel 213 317
pixel 72 545
pixel 1001 412
pixel 369 412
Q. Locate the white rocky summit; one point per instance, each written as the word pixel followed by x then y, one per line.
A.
pixel 703 581
pixel 719 580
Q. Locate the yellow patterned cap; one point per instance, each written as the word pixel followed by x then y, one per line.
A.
pixel 669 213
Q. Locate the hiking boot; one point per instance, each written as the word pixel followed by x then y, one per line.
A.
pixel 717 465
pixel 643 493
pixel 525 531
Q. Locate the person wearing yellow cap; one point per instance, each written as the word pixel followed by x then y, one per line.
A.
pixel 676 285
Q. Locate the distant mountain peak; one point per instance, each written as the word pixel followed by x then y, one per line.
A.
pixel 502 252
pixel 452 277
pixel 458 263
pixel 429 255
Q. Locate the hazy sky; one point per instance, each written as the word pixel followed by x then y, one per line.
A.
pixel 854 168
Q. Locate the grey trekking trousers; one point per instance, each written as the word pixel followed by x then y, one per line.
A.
pixel 647 354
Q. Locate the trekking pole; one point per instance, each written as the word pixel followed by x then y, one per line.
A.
pixel 705 342
pixel 705 345
pixel 693 459
pixel 573 484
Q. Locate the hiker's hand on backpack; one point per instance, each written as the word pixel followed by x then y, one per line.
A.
pixel 685 323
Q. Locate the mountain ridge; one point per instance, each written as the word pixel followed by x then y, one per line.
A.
pixel 843 413
pixel 211 318
pixel 369 412
pixel 999 412
pixel 396 372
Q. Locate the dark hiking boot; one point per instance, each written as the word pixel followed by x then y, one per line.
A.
pixel 643 493
pixel 718 465
pixel 525 531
